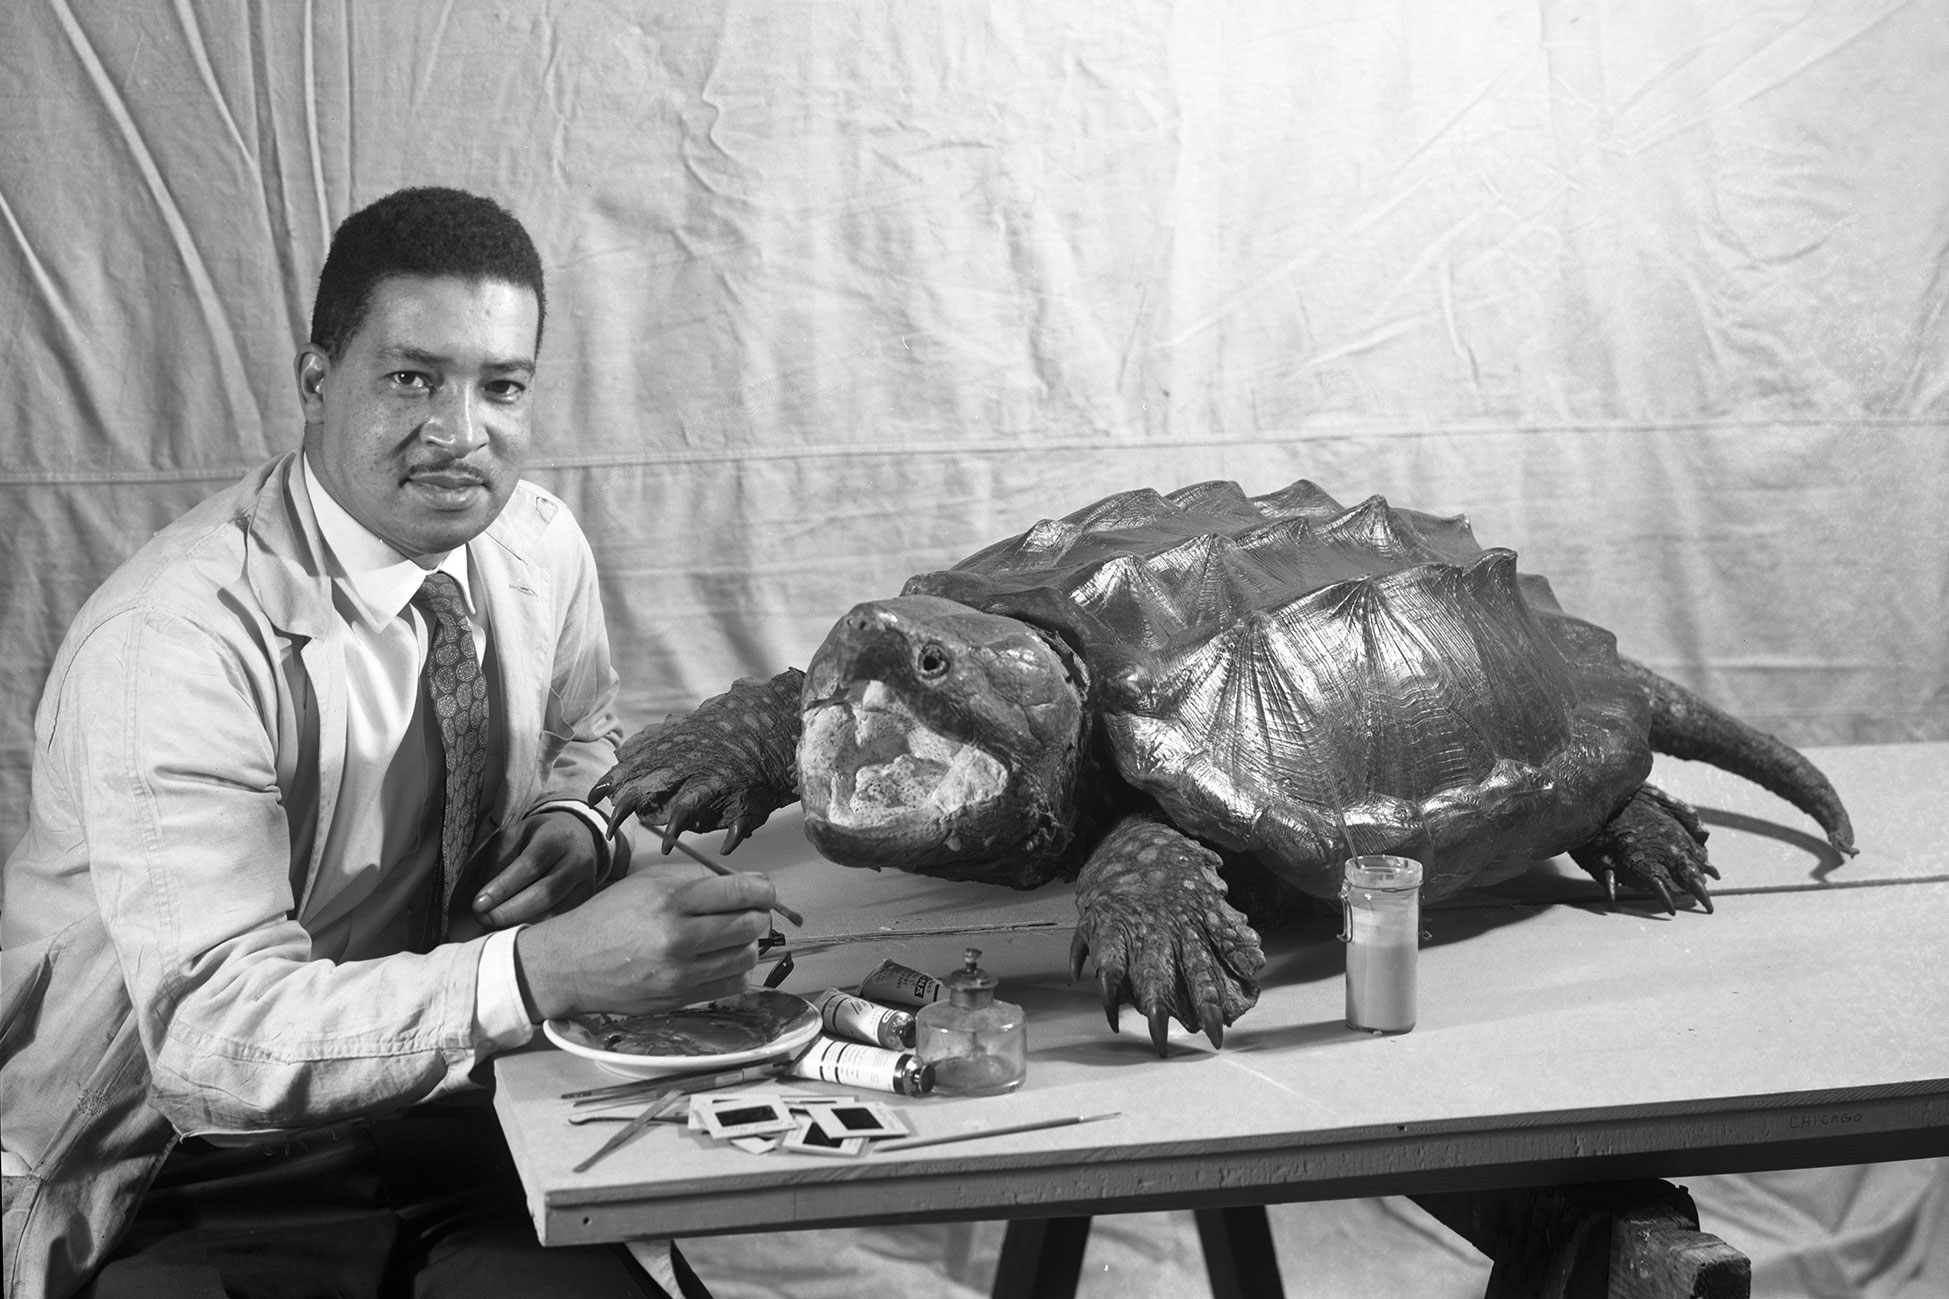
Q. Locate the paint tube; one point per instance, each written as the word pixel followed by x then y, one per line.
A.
pixel 855 1064
pixel 897 985
pixel 864 1021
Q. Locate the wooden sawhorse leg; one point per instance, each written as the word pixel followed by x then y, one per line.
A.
pixel 1239 1257
pixel 1042 1258
pixel 1615 1240
pixel 1611 1240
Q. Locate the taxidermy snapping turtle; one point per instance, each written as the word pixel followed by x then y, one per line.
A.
pixel 1161 696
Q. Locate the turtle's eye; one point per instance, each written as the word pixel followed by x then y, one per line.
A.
pixel 934 660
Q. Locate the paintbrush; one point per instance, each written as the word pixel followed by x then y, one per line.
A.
pixel 634 1128
pixel 697 1080
pixel 698 857
pixel 914 1143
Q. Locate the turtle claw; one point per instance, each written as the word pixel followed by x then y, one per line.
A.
pixel 1152 914
pixel 1160 1028
pixel 1664 895
pixel 1653 843
pixel 725 765
pixel 1213 1023
pixel 682 813
pixel 1112 999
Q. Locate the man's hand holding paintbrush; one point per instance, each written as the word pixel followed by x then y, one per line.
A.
pixel 798 921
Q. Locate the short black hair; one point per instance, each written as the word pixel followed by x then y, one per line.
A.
pixel 429 231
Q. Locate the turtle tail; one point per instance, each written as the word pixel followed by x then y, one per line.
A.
pixel 1686 726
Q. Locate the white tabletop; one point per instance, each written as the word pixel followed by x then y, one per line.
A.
pixel 1799 1025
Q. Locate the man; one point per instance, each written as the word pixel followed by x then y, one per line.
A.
pixel 306 846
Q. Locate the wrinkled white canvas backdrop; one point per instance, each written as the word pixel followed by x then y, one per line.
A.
pixel 1657 292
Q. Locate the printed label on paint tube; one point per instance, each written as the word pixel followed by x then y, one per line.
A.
pixel 855 1064
pixel 901 986
pixel 864 1021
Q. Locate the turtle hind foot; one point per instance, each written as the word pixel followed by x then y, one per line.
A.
pixel 1151 913
pixel 1655 843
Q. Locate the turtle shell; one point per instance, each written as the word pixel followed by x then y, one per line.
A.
pixel 1297 680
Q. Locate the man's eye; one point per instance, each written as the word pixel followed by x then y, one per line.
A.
pixel 507 389
pixel 410 379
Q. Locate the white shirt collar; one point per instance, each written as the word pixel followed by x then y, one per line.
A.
pixel 380 580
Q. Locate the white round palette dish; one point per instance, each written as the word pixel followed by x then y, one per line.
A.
pixel 763 1023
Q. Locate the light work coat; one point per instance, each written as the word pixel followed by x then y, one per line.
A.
pixel 159 978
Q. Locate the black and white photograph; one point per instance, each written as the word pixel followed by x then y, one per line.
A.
pixel 1327 619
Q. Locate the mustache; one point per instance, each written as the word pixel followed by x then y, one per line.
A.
pixel 450 468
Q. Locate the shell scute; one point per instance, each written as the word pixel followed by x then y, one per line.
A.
pixel 1212 574
pixel 1124 592
pixel 1214 496
pixel 1302 499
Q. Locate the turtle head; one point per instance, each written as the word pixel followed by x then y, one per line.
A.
pixel 942 740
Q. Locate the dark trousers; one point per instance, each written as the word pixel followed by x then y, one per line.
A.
pixel 423 1205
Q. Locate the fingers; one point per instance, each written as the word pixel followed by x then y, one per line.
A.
pixel 690 913
pixel 718 937
pixel 647 944
pixel 546 862
pixel 544 898
pixel 513 879
pixel 739 891
pixel 730 986
pixel 525 891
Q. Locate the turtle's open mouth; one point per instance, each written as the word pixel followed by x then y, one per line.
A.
pixel 939 739
pixel 868 764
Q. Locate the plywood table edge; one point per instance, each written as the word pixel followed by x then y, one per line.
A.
pixel 1841 1125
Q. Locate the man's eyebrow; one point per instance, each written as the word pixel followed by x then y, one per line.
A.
pixel 436 361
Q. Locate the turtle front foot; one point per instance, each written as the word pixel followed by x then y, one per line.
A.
pixel 725 766
pixel 1655 843
pixel 1151 910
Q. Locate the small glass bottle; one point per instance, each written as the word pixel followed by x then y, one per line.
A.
pixel 978 1046
pixel 1382 897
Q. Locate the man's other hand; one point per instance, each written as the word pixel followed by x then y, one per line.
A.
pixel 664 937
pixel 546 862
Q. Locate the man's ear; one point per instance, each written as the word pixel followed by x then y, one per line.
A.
pixel 311 367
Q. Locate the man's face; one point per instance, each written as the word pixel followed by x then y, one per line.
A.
pixel 420 429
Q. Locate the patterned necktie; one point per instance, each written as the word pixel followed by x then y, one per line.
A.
pixel 458 691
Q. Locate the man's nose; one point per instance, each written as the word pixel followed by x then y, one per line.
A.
pixel 454 423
